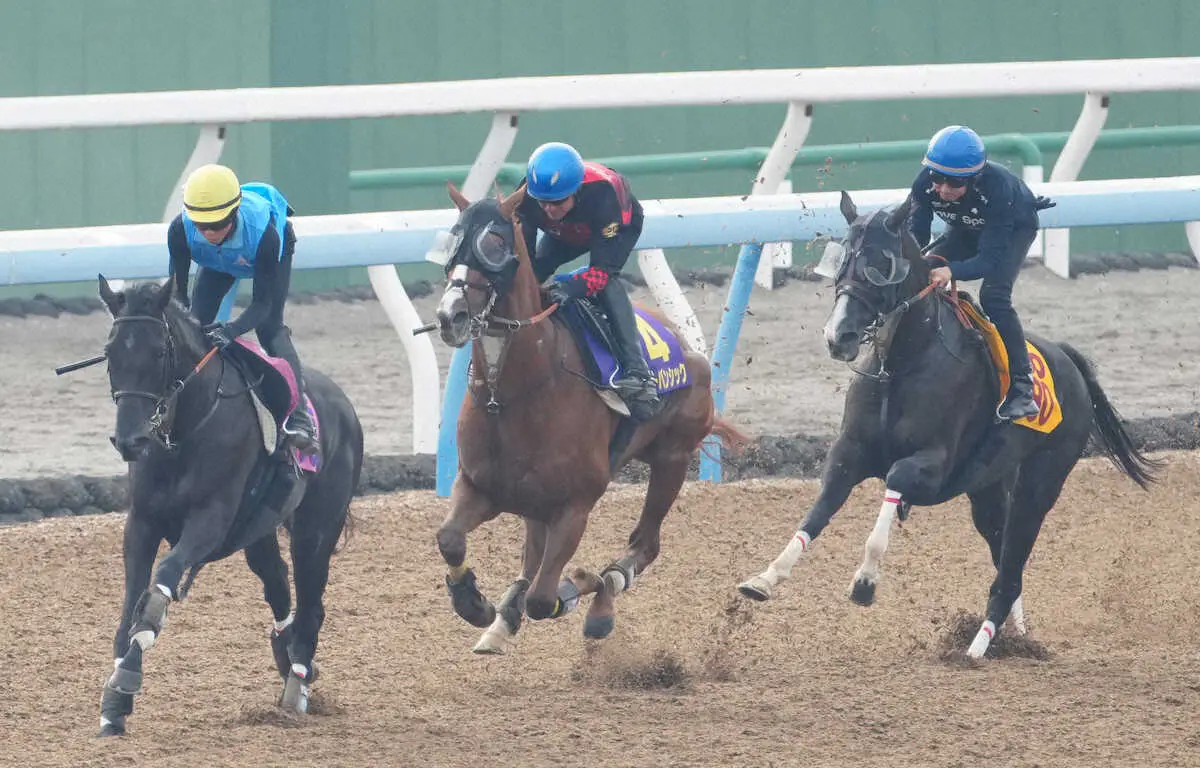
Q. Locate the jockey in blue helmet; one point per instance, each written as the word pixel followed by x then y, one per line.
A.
pixel 991 218
pixel 588 208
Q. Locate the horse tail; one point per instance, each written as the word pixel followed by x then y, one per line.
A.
pixel 734 439
pixel 1106 425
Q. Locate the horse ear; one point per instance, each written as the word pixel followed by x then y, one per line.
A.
pixel 163 297
pixel 459 199
pixel 114 300
pixel 897 218
pixel 849 209
pixel 509 205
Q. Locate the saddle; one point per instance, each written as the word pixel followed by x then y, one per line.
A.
pixel 275 395
pixel 972 317
pixel 591 329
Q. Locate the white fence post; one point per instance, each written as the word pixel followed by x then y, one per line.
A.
pixel 1057 248
pixel 775 168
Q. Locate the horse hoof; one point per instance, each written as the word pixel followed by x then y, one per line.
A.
pixel 486 647
pixel 295 695
pixel 863 593
pixel 756 588
pixel 598 627
pixel 469 603
pixel 111 729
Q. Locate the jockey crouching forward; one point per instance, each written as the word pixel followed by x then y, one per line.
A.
pixel 991 218
pixel 588 208
pixel 234 231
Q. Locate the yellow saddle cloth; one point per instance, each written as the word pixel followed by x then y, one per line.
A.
pixel 1049 414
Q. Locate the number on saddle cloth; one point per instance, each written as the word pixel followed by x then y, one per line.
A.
pixel 592 330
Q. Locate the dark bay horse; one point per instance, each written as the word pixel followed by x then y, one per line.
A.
pixel 534 438
pixel 201 479
pixel 920 416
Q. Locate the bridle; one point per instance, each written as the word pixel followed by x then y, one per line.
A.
pixel 165 400
pixel 484 323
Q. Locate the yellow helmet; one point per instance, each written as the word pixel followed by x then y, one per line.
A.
pixel 211 193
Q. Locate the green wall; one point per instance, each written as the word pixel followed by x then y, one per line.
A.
pixel 71 178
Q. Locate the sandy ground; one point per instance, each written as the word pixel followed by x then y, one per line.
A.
pixel 693 676
pixel 1138 326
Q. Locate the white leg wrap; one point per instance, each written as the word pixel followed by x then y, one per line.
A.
pixel 300 671
pixel 282 625
pixel 781 567
pixel 877 542
pixel 1017 614
pixel 615 580
pixel 165 590
pixel 982 640
pixel 145 639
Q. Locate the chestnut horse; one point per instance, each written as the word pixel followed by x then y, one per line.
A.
pixel 536 440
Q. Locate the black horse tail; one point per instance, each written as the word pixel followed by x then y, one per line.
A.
pixel 1106 426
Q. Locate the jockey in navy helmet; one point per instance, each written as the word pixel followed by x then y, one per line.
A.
pixel 231 231
pixel 991 218
pixel 588 208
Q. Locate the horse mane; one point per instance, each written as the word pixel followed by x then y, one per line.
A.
pixel 143 298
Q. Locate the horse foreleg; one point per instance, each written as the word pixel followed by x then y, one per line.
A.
pixel 549 597
pixel 511 609
pixel 203 532
pixel 862 589
pixel 842 473
pixel 139 548
pixel 469 508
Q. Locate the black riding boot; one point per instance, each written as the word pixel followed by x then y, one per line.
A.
pixel 1018 404
pixel 299 427
pixel 637 387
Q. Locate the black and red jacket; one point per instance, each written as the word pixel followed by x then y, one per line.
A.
pixel 605 222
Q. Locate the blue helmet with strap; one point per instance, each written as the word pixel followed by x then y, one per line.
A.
pixel 555 171
pixel 955 150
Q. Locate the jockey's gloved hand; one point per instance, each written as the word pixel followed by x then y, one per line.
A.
pixel 218 335
pixel 565 291
pixel 1041 203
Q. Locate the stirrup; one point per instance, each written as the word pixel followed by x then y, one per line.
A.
pixel 1017 408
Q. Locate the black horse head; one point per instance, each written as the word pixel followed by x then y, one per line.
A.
pixel 876 269
pixel 151 347
pixel 482 267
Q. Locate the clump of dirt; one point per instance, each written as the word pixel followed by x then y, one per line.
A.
pixel 957 633
pixel 633 668
pixel 319 705
pixel 717 661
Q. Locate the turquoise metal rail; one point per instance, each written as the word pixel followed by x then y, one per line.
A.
pixel 1028 148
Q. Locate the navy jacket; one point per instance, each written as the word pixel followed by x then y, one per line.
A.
pixel 982 225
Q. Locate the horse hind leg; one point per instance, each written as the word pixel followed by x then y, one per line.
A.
pixel 1035 493
pixel 264 559
pixel 511 609
pixel 667 475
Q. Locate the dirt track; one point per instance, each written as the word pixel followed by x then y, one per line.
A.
pixel 808 679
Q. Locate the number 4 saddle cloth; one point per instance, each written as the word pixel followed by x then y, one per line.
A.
pixel 662 350
pixel 1049 414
